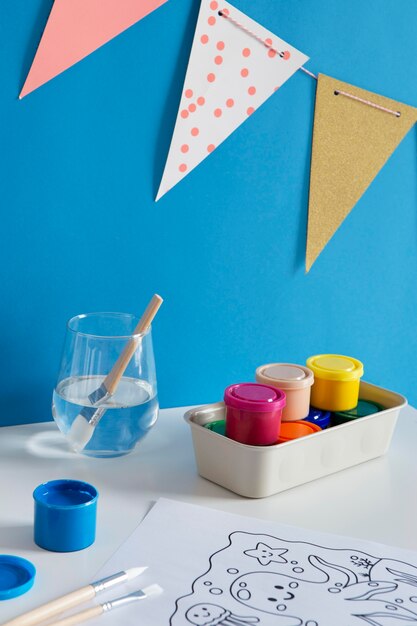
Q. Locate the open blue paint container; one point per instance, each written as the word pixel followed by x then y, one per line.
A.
pixel 65 515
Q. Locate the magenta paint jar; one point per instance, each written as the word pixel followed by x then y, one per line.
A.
pixel 253 413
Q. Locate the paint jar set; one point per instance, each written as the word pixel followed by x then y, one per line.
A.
pixel 290 401
pixel 257 442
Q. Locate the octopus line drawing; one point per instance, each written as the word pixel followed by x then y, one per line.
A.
pixel 269 581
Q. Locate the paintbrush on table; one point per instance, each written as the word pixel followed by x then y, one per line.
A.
pixel 70 600
pixel 82 428
pixel 96 611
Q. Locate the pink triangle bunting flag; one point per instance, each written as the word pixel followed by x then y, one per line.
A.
pixel 76 28
pixel 234 67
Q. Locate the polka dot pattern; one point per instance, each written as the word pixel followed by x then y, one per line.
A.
pixel 230 76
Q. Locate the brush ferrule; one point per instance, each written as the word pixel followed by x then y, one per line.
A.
pixel 96 417
pixel 110 581
pixel 100 395
pixel 132 597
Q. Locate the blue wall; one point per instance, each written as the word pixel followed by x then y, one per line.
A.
pixel 81 160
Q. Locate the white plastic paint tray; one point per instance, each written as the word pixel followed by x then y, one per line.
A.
pixel 260 471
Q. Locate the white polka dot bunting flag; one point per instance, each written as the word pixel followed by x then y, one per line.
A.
pixel 235 65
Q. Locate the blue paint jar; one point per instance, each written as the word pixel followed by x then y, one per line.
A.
pixel 316 416
pixel 65 515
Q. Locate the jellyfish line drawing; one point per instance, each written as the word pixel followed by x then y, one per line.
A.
pixel 207 614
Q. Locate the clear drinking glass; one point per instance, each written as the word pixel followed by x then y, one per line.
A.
pixel 93 343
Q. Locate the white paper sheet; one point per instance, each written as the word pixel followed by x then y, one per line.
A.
pixel 222 569
pixel 230 74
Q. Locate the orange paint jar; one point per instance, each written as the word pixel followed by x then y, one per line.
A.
pixel 294 430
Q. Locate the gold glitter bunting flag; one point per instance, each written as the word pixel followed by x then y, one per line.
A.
pixel 352 141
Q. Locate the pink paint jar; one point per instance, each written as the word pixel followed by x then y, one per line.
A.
pixel 295 381
pixel 253 413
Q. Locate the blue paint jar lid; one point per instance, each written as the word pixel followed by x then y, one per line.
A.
pixel 17 576
pixel 316 416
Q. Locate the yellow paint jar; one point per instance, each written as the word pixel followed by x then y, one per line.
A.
pixel 336 381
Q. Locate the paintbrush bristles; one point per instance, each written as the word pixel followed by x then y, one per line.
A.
pixel 152 590
pixel 133 572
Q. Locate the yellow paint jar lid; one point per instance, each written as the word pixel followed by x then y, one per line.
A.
pixel 335 367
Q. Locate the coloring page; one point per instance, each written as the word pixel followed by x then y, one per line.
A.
pixel 296 583
pixel 222 569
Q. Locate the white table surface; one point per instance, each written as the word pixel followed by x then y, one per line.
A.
pixel 375 500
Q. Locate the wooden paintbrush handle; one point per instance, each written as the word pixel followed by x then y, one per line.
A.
pixel 113 378
pixel 50 609
pixel 78 618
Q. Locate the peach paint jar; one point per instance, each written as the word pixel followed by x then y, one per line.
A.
pixel 295 381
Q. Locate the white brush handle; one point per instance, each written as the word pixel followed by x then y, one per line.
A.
pixel 113 378
pixel 46 611
pixel 78 618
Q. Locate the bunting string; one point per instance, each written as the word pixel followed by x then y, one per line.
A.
pixel 371 104
pixel 267 43
pixel 284 55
